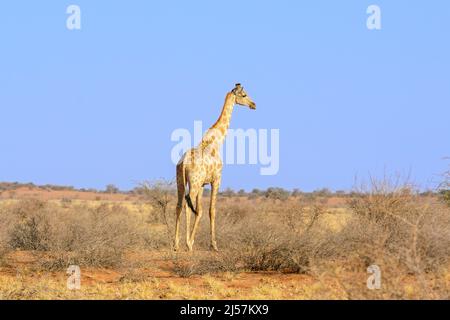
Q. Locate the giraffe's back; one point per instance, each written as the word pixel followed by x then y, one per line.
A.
pixel 201 166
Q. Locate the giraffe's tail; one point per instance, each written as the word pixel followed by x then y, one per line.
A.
pixel 189 203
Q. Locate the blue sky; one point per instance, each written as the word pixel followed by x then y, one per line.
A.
pixel 98 105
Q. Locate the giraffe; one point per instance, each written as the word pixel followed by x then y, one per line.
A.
pixel 202 165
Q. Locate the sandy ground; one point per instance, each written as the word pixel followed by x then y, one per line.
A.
pixel 154 278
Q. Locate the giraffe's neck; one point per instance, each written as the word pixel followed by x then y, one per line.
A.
pixel 216 134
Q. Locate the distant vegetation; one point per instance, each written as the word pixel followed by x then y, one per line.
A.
pixel 275 193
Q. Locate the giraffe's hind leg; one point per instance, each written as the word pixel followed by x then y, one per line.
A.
pixel 197 193
pixel 179 209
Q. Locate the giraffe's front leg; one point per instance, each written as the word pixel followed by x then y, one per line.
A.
pixel 212 213
pixel 188 225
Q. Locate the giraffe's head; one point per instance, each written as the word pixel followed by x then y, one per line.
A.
pixel 242 98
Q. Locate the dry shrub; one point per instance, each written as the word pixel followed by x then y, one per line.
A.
pixel 444 187
pixel 281 250
pixel 234 213
pixel 79 235
pixel 161 195
pixel 396 221
pixel 350 277
pixel 261 250
pixel 271 236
